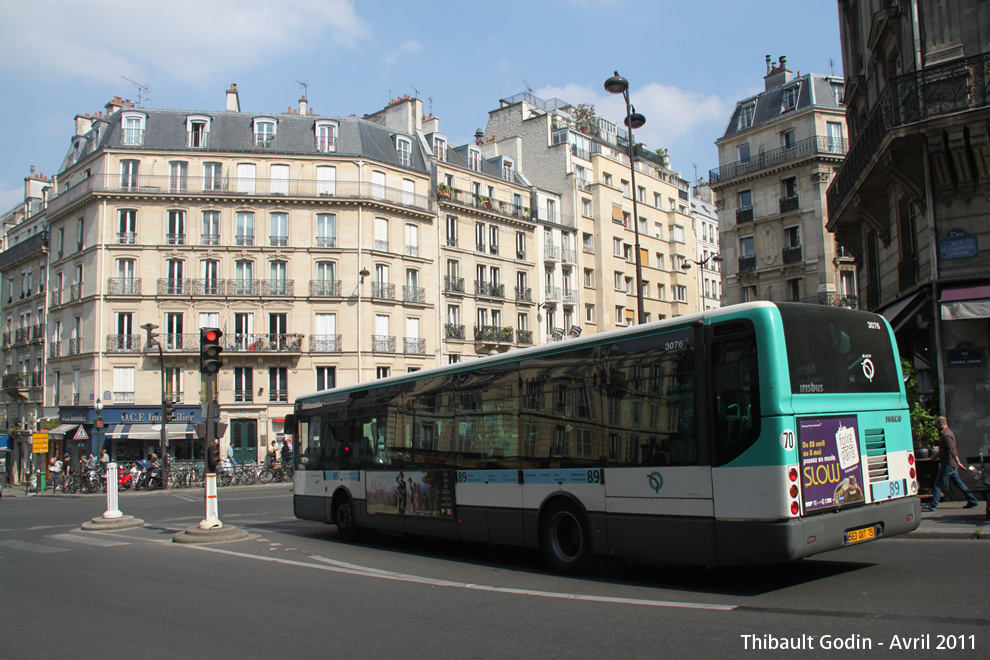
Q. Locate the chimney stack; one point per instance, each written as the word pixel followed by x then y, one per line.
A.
pixel 303 105
pixel 233 100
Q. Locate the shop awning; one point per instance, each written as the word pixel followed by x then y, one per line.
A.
pixel 965 302
pixel 62 430
pixel 148 431
pixel 898 313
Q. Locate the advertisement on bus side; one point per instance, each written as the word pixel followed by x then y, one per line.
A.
pixel 429 493
pixel 831 468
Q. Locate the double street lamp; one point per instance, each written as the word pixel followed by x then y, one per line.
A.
pixel 715 259
pixel 619 85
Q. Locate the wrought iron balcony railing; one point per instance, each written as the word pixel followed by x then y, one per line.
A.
pixel 278 396
pixel 326 241
pixel 75 346
pixel 833 300
pixel 382 344
pixel 524 337
pixel 524 293
pixel 324 288
pixel 414 346
pixel 493 334
pixel 808 148
pixel 789 204
pixel 123 343
pixel 55 349
pixel 935 91
pixel 490 289
pixel 416 294
pixel 124 286
pixel 243 396
pixel 453 331
pixel 553 294
pixel 56 296
pixel 453 284
pixel 179 342
pixel 264 343
pixel 209 287
pixel 75 292
pixel 551 253
pixel 744 215
pixel 747 264
pixel 278 241
pixel 791 255
pixel 324 344
pixel 383 290
pixel 174 287
pixel 209 239
pixel 243 287
pixel 127 238
pixel 277 287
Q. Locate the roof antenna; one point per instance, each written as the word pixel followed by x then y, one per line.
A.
pixel 430 99
pixel 831 66
pixel 142 92
pixel 305 87
pixel 415 91
pixel 528 88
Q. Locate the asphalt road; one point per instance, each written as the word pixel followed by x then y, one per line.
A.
pixel 292 589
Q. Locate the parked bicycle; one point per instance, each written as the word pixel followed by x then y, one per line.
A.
pixel 276 472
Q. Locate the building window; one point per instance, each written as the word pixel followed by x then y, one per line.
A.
pixel 178 175
pixel 795 290
pixel 746 115
pixel 440 149
pixel 127 226
pixel 745 199
pixel 586 207
pixel 474 159
pixel 792 237
pixel 278 229
pixel 403 148
pixel 326 230
pixel 129 171
pixel 264 132
pixel 326 136
pixel 742 151
pixel 278 384
pixel 677 234
pixel 617 247
pixel 588 243
pixel 790 98
pixel 680 293
pixel 244 230
pixel 243 384
pixel 746 246
pixel 212 176
pixel 789 139
pixel 132 124
pixel 507 170
pixel 790 187
pixel 451 231
pixel 176 228
pixel 326 378
pixel 382 372
pixel 197 132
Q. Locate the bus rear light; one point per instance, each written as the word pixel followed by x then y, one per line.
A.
pixel 792 474
pixel 912 473
pixel 911 458
pixel 811 539
pixel 795 508
pixel 794 490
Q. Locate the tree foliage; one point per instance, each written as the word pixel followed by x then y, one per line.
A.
pixel 923 428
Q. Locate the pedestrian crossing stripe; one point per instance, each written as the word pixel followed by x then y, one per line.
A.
pixel 31 547
pixel 87 540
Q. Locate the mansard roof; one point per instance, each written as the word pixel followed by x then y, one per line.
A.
pixel 814 90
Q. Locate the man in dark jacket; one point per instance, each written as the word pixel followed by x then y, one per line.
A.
pixel 949 465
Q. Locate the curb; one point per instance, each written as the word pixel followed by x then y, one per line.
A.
pixel 103 524
pixel 216 535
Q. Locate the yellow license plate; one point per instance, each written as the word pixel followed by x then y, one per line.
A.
pixel 860 535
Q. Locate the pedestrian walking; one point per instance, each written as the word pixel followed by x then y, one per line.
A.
pixel 949 464
pixel 55 470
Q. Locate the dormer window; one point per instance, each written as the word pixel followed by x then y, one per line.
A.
pixel 440 148
pixel 839 90
pixel 746 115
pixel 474 159
pixel 403 147
pixel 790 99
pixel 264 132
pixel 197 132
pixel 132 125
pixel 508 171
pixel 326 136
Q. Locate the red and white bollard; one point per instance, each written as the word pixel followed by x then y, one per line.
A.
pixel 112 511
pixel 212 520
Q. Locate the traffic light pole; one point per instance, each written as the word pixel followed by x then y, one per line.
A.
pixel 212 519
pixel 163 461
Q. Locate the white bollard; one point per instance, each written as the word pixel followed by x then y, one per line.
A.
pixel 112 510
pixel 212 520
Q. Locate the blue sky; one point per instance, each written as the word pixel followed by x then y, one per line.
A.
pixel 687 63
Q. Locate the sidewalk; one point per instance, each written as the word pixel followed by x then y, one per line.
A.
pixel 951 521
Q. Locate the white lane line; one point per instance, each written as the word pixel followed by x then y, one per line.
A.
pixel 31 547
pixel 86 540
pixel 182 518
pixel 184 498
pixel 352 569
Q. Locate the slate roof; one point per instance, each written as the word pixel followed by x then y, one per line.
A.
pixel 815 90
pixel 233 132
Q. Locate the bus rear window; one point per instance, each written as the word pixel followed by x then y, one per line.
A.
pixel 833 350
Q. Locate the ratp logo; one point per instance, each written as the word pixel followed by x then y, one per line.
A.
pixel 656 481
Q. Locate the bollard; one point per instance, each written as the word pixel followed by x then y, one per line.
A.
pixel 212 520
pixel 112 510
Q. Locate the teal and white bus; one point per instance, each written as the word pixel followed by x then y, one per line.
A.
pixel 752 434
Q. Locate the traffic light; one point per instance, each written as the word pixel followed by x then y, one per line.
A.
pixel 168 410
pixel 209 350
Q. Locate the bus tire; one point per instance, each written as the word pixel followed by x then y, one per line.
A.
pixel 343 516
pixel 565 539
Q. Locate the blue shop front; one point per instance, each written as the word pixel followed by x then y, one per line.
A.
pixel 128 433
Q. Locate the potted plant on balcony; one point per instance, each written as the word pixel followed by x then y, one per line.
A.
pixel 443 191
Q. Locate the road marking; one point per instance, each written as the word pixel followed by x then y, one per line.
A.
pixel 86 540
pixel 184 498
pixel 363 571
pixel 31 547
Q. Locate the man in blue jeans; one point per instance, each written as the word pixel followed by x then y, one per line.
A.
pixel 948 466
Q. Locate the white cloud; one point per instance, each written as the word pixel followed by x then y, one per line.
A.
pixel 410 47
pixel 10 197
pixel 185 40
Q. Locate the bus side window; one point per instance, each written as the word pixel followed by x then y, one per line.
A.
pixel 735 395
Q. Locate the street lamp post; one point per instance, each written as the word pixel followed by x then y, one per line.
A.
pixel 619 85
pixel 98 425
pixel 714 258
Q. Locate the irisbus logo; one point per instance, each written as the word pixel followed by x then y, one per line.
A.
pixel 893 419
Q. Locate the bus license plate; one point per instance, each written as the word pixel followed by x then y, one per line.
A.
pixel 860 535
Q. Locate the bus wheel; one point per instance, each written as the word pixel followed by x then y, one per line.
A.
pixel 564 539
pixel 343 510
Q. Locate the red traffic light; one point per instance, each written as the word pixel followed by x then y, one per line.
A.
pixel 211 335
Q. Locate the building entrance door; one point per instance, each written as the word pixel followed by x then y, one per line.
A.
pixel 244 440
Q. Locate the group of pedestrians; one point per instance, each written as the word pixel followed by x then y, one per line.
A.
pixel 59 469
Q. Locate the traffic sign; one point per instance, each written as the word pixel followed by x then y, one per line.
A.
pixel 80 434
pixel 39 443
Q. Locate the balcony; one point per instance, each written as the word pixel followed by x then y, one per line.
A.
pixel 278 396
pixel 383 291
pixel 324 344
pixel 243 287
pixel 415 294
pixel 935 91
pixel 524 293
pixel 6 339
pixel 569 256
pixel 747 264
pixel 553 294
pixel 31 246
pixel 570 295
pixel 789 204
pixel 453 284
pixel 791 255
pixel 22 381
pixel 833 300
pixel 21 335
pixel 280 288
pixel 551 253
pixel 812 147
pixel 382 344
pixel 744 215
pixel 493 334
pixel 123 343
pixel 243 396
pixel 55 349
pixel 75 346
pixel 907 272
pixel 243 240
pixel 278 241
pixel 469 199
pixel 326 241
pixel 175 239
pixel 179 342
pixel 75 292
pixel 197 139
pixel 324 288
pixel 489 289
pixel 209 239
pixel 412 250
pixel 241 342
pixel 124 286
pixel 56 297
pixel 381 245
pixel 126 238
pixel 209 287
pixel 453 331
pixel 174 287
pixel 524 337
pixel 413 346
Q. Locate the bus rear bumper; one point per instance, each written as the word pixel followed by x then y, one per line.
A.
pixel 753 542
